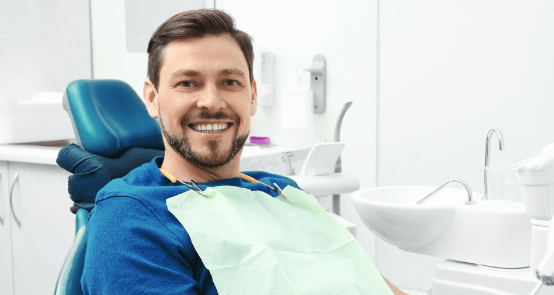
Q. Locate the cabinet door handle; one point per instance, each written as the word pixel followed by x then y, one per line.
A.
pixel 1 219
pixel 11 199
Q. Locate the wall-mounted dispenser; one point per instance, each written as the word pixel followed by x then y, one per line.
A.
pixel 318 82
pixel 266 85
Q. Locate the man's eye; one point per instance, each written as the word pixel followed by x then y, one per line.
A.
pixel 231 83
pixel 187 84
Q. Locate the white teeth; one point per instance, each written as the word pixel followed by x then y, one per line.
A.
pixel 209 128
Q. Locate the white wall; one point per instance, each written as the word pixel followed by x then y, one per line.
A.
pixel 110 58
pixel 44 45
pixel 448 72
pixel 294 31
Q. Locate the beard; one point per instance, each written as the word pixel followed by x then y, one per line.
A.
pixel 215 158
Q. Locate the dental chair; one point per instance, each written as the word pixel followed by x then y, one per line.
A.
pixel 114 134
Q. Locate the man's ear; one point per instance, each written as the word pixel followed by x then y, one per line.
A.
pixel 151 99
pixel 254 102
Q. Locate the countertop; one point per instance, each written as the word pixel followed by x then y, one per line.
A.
pixel 250 159
pixel 29 153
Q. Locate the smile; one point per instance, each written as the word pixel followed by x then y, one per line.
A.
pixel 210 128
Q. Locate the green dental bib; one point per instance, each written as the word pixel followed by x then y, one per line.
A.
pixel 255 244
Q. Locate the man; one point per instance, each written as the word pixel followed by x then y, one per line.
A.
pixel 201 88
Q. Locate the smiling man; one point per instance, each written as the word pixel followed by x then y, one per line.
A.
pixel 201 89
pixel 204 100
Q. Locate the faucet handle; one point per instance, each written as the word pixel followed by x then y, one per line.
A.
pixel 468 189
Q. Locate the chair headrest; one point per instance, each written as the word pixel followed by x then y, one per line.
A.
pixel 109 118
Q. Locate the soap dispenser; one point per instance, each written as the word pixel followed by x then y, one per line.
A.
pixel 296 114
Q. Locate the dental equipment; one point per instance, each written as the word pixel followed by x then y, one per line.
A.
pixel 276 189
pixel 468 189
pixel 545 268
pixel 545 271
pixel 547 265
pixel 338 165
pixel 198 189
pixel 318 82
pixel 174 179
pixel 487 155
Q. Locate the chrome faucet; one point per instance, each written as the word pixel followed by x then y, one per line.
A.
pixel 488 154
pixel 468 189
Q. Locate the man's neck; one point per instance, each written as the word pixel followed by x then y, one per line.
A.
pixel 177 165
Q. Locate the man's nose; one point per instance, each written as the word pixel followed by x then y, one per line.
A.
pixel 211 99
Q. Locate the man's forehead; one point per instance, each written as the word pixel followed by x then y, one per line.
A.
pixel 189 57
pixel 221 47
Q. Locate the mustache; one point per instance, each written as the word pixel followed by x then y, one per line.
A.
pixel 205 115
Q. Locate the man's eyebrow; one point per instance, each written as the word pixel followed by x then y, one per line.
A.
pixel 232 72
pixel 184 74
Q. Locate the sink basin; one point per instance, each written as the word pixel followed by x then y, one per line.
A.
pixel 496 234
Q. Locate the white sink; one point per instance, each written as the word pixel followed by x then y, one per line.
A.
pixel 496 234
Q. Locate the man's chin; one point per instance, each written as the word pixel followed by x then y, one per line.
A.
pixel 210 159
pixel 214 155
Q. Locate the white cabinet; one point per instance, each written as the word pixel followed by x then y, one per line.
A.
pixel 6 266
pixel 38 232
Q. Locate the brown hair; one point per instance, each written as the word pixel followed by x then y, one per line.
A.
pixel 194 23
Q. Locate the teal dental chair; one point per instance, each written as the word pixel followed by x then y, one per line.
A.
pixel 114 134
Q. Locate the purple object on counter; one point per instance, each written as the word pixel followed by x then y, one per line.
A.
pixel 259 140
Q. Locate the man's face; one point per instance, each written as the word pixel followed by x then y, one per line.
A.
pixel 205 100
